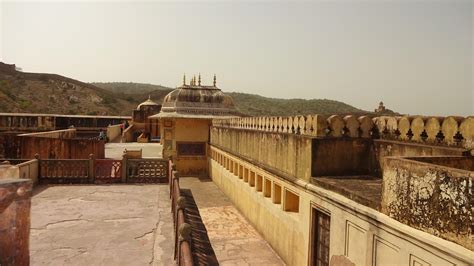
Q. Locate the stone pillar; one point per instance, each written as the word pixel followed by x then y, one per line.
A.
pixel 15 203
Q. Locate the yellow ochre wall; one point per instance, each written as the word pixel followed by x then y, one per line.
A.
pixel 358 233
pixel 185 130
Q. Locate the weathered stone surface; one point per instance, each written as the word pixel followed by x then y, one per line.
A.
pixel 429 197
pixel 234 240
pixel 101 225
pixel 15 196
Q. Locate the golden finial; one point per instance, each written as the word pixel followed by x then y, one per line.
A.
pixel 214 80
pixel 199 79
pixel 184 79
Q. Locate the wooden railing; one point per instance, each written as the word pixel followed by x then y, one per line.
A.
pixel 182 230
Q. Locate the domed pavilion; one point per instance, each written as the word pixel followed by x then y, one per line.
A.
pixel 184 121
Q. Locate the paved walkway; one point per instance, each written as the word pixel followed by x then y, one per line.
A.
pixel 234 240
pixel 101 225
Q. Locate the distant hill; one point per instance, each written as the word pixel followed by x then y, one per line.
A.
pixel 129 87
pixel 51 93
pixel 249 104
pixel 257 105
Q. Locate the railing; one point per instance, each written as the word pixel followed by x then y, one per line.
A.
pixel 103 171
pixel 107 171
pixel 451 130
pixel 15 202
pixel 65 171
pixel 147 170
pixel 182 230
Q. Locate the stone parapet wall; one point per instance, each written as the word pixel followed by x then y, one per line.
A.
pixel 310 125
pixel 433 198
pixel 287 154
pixel 451 130
pixel 281 211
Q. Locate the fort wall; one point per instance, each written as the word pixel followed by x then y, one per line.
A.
pixel 281 210
pixel 272 169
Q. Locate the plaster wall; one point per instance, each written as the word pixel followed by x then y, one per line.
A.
pixel 432 198
pixel 182 130
pixel 287 153
pixel 114 132
pixel 342 157
pixel 360 234
pixel 386 148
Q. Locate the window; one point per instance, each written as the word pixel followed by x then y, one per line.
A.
pixel 191 149
pixel 320 235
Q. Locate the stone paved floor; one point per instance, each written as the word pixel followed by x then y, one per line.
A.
pixel 101 225
pixel 115 150
pixel 233 238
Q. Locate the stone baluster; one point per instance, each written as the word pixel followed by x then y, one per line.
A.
pixel 320 126
pixel 308 125
pixel 284 126
pixel 391 124
pixel 352 126
pixel 336 125
pixel 404 127
pixel 366 125
pixel 467 131
pixel 380 123
pixel 302 125
pixel 432 128
pixel 290 125
pixel 449 127
pixel 417 127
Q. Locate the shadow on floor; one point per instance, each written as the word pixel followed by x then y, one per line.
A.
pixel 201 245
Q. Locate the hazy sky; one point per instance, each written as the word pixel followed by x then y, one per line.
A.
pixel 416 56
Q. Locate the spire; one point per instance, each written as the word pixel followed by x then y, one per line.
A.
pixel 149 97
pixel 199 79
pixel 194 80
pixel 214 80
pixel 184 79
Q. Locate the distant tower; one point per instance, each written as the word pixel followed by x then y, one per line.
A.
pixel 199 79
pixel 214 80
pixel 184 79
pixel 380 109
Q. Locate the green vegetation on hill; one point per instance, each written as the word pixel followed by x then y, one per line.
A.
pixel 257 105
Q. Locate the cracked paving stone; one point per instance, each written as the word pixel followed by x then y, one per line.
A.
pixel 101 225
